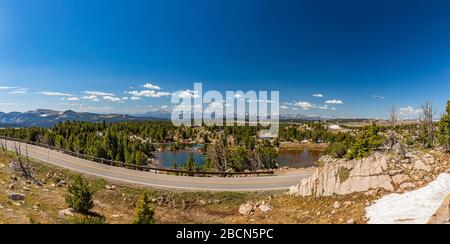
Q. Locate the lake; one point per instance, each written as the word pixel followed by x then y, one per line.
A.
pixel 180 157
pixel 299 158
pixel 302 158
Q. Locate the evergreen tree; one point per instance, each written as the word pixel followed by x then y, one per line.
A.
pixel 444 128
pixel 144 211
pixel 174 164
pixel 79 195
pixel 190 164
pixel 368 140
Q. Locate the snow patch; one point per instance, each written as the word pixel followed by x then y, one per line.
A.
pixel 415 207
pixel 334 127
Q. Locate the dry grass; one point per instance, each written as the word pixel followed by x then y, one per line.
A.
pixel 42 203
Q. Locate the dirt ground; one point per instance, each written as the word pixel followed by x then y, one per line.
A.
pixel 117 205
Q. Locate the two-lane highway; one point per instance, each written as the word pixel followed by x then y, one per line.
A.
pixel 253 183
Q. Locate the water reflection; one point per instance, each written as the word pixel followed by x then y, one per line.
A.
pixel 302 158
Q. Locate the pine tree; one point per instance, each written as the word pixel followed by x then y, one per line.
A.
pixel 190 164
pixel 444 128
pixel 144 211
pixel 79 195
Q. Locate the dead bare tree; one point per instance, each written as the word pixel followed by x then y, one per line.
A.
pixel 394 115
pixel 3 146
pixel 255 161
pixel 393 140
pixel 217 154
pixel 427 122
pixel 24 167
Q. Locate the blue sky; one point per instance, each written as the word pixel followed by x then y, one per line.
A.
pixel 361 56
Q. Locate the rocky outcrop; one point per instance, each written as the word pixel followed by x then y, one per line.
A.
pixel 385 171
pixel 442 215
pixel 249 208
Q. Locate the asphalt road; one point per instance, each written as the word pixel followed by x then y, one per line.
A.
pixel 251 183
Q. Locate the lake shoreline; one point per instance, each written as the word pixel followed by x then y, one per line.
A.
pixel 292 146
pixel 290 155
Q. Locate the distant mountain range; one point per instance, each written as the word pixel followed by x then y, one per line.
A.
pixel 46 117
pixel 166 114
pixel 160 114
pixel 299 117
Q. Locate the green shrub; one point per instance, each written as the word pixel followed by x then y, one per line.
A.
pixel 368 140
pixel 337 149
pixel 85 220
pixel 444 129
pixel 79 195
pixel 144 211
pixel 409 141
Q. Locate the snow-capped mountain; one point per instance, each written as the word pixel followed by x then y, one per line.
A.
pixel 45 117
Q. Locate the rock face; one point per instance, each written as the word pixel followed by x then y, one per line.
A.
pixel 379 171
pixel 343 177
pixel 442 215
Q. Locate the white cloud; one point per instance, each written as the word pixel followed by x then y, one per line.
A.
pixel 135 98
pixel 409 111
pixel 304 105
pixel 92 98
pixel 188 94
pixel 284 107
pixel 19 91
pixel 164 106
pixel 214 106
pixel 7 87
pixel 55 94
pixel 263 101
pixel 12 104
pixel 95 109
pixel 151 86
pixel 125 98
pixel 111 98
pixel 334 101
pixel 317 95
pixel 73 99
pixel 324 107
pixel 99 93
pixel 378 96
pixel 149 93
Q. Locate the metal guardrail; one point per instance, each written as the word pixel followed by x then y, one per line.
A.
pixel 132 166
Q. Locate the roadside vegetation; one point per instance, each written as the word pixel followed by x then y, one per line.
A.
pixel 45 203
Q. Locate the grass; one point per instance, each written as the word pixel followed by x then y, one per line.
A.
pixel 42 204
pixel 84 220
